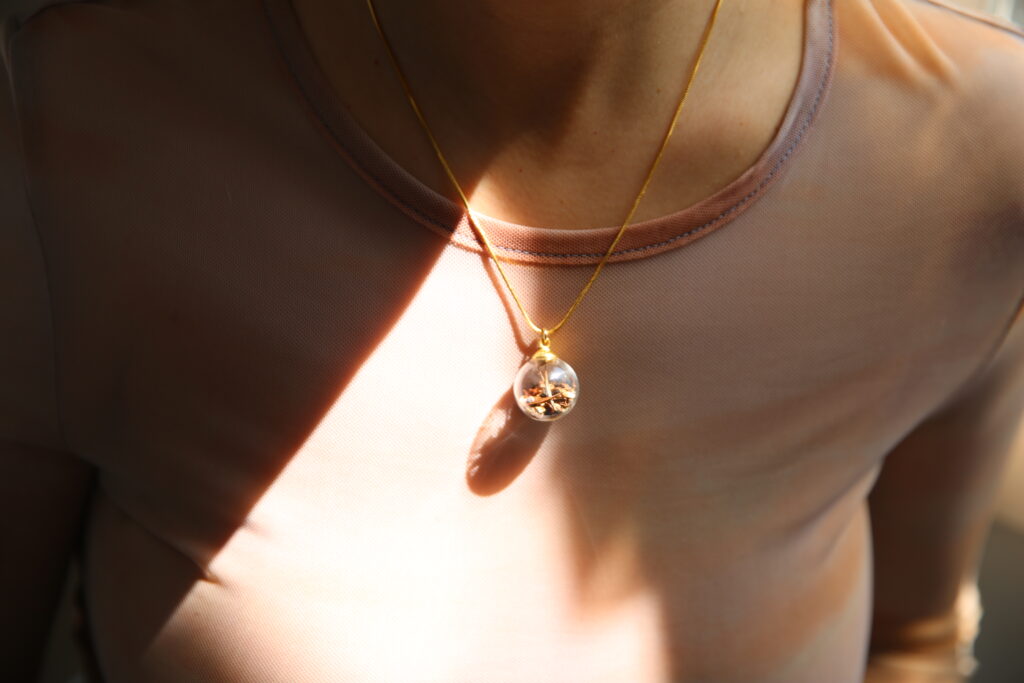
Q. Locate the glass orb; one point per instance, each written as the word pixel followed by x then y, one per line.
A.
pixel 546 387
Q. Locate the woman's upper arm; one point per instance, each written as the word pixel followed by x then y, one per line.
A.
pixel 931 510
pixel 43 486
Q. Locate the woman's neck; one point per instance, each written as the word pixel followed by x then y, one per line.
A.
pixel 549 111
pixel 540 63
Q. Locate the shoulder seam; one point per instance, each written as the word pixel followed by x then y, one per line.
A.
pixel 22 17
pixel 981 17
pixel 12 21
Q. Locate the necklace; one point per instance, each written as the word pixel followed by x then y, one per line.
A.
pixel 546 387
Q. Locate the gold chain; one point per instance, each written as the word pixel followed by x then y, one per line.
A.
pixel 545 332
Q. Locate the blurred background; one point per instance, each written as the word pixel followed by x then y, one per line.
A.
pixel 1000 644
pixel 1009 9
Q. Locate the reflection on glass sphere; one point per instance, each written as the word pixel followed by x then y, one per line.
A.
pixel 546 387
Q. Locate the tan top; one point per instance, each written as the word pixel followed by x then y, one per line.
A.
pixel 290 364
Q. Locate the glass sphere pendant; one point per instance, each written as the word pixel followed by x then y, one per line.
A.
pixel 546 387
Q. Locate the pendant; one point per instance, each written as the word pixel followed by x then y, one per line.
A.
pixel 546 387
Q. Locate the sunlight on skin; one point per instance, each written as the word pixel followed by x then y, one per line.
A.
pixel 369 557
pixel 430 592
pixel 366 558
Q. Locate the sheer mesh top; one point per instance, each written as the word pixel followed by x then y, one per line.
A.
pixel 289 361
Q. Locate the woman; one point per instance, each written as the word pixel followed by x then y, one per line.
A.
pixel 258 363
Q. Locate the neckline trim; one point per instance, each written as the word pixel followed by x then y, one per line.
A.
pixel 530 244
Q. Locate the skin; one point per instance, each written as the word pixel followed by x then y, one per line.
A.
pixel 550 113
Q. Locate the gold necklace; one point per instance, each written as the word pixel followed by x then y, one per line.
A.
pixel 546 387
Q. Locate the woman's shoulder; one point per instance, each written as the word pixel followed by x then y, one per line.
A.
pixel 927 42
pixel 936 71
